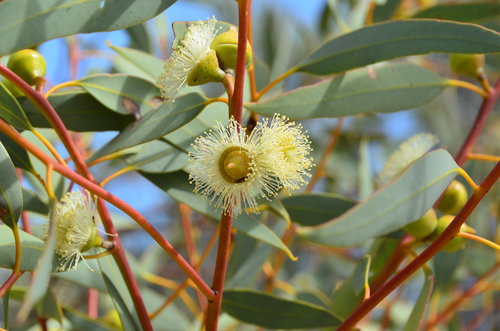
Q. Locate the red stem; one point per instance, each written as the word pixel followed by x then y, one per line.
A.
pixel 14 276
pixel 92 302
pixel 220 272
pixel 426 255
pixel 478 126
pixel 100 192
pixel 236 103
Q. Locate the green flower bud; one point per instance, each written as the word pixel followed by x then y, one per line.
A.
pixel 94 241
pixel 206 71
pixel 226 47
pixel 424 226
pixel 467 64
pixel 456 243
pixel 13 89
pixel 27 64
pixel 454 198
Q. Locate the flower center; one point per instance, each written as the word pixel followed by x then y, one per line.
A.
pixel 290 154
pixel 234 165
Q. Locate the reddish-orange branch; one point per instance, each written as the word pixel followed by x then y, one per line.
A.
pixel 454 227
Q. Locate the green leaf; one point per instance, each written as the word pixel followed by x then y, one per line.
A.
pixel 278 208
pixel 176 184
pixel 26 24
pixel 32 202
pixel 79 111
pixel 5 300
pixel 49 307
pixel 155 124
pixel 461 12
pixel 396 204
pixel 366 186
pixel 85 277
pixel 417 313
pixel 18 155
pixel 80 321
pixel 385 12
pixel 181 28
pixel 139 38
pixel 387 41
pixel 316 208
pixel 31 250
pixel 39 284
pixel 122 93
pixel 10 110
pixel 126 317
pixel 158 156
pixel 11 195
pixel 170 319
pixel 270 311
pixel 350 294
pixel 384 89
pixel 261 73
pixel 147 63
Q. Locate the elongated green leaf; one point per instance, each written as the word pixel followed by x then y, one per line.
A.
pixel 317 208
pixel 122 93
pixel 386 41
pixel 278 208
pixel 18 155
pixel 170 319
pixel 79 111
pixel 385 12
pixel 270 311
pixel 396 204
pixel 351 293
pixel 176 184
pixel 49 307
pixel 155 124
pixel 80 321
pixel 84 276
pixel 25 23
pixel 139 38
pixel 31 202
pixel 5 301
pixel 39 284
pixel 31 250
pixel 126 317
pixel 417 313
pixel 461 12
pixel 10 110
pixel 384 89
pixel 366 185
pixel 147 63
pixel 11 195
pixel 158 156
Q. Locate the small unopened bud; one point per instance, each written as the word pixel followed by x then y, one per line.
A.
pixel 456 243
pixel 27 64
pixel 226 46
pixel 454 198
pixel 467 64
pixel 424 226
pixel 206 71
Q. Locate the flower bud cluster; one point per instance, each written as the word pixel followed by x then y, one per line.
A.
pixel 231 166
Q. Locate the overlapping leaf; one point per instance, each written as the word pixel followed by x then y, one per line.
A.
pixel 11 195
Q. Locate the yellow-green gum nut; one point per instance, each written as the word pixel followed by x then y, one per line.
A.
pixel 113 318
pixel 226 46
pixel 454 198
pixel 456 243
pixel 206 71
pixel 13 89
pixel 27 64
pixel 94 241
pixel 467 64
pixel 422 227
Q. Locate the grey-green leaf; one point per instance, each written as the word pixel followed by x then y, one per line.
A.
pixel 147 63
pixel 384 89
pixel 26 23
pixel 417 313
pixel 155 124
pixel 387 41
pixel 270 311
pixel 461 12
pixel 79 111
pixel 316 208
pixel 18 155
pixel 396 204
pixel 10 110
pixel 32 202
pixel 11 195
pixel 123 93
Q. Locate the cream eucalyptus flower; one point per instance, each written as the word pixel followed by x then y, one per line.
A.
pixel 193 62
pixel 230 166
pixel 76 232
pixel 410 150
pixel 287 148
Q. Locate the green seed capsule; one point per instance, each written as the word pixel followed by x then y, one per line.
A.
pixel 454 198
pixel 424 226
pixel 467 64
pixel 27 64
pixel 226 47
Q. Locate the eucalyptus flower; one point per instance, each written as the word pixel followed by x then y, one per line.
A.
pixel 193 62
pixel 410 150
pixel 76 232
